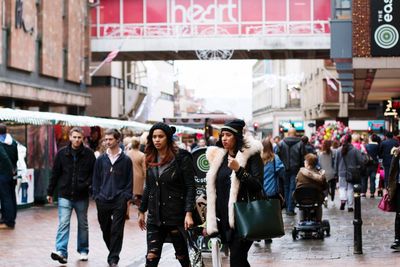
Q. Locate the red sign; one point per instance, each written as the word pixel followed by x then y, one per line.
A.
pixel 209 17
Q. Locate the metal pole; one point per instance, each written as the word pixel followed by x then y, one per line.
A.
pixel 357 222
pixel 216 252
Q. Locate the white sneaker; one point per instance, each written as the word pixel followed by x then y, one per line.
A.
pixel 83 256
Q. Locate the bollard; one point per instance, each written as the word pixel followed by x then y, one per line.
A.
pixel 357 222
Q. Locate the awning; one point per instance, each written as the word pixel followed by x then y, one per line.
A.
pixel 52 118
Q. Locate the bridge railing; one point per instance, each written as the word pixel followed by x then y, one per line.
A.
pixel 162 30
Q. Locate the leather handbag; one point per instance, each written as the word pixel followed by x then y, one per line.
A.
pixel 259 219
pixel 385 204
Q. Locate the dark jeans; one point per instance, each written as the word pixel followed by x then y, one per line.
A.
pixel 111 216
pixel 397 220
pixel 239 249
pixel 290 186
pixel 386 181
pixel 8 200
pixel 371 174
pixel 155 239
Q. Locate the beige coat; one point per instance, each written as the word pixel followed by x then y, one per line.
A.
pixel 139 170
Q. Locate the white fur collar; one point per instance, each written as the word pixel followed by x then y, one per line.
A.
pixel 215 156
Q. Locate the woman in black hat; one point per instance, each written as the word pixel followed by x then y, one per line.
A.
pixel 168 196
pixel 236 173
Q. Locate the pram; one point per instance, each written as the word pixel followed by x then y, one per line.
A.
pixel 308 200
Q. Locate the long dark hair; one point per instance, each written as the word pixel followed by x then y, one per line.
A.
pixel 326 146
pixel 151 151
pixel 240 143
pixel 346 144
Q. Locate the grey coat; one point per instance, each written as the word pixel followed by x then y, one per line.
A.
pixel 353 158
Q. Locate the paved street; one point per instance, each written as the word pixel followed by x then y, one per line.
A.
pixel 32 241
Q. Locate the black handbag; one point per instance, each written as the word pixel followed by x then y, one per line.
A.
pixel 259 219
pixel 353 174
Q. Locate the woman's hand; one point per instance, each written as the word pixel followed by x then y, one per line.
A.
pixel 188 220
pixel 142 221
pixel 233 164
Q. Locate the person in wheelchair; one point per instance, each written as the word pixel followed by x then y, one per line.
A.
pixel 310 181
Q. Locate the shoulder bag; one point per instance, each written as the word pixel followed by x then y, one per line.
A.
pixel 353 175
pixel 259 219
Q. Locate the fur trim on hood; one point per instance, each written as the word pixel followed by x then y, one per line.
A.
pixel 215 156
pixel 315 175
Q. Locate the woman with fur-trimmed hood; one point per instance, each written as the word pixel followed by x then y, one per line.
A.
pixel 236 173
pixel 310 177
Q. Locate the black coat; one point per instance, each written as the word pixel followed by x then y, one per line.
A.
pixel 167 197
pixel 72 177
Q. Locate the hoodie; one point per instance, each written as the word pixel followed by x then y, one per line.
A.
pixel 291 152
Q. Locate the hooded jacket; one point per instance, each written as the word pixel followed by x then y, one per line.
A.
pixel 169 195
pixel 291 152
pixel 247 180
pixel 311 178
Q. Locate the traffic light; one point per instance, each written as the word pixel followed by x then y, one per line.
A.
pixel 255 126
pixel 281 130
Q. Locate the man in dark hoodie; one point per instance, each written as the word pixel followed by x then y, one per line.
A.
pixel 112 188
pixel 291 151
pixel 8 168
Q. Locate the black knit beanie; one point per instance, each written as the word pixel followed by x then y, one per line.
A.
pixel 169 131
pixel 234 126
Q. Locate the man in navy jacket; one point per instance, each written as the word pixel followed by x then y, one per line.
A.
pixel 112 188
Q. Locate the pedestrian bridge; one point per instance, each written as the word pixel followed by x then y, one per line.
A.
pixel 221 29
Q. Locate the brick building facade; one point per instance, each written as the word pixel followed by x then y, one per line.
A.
pixel 45 54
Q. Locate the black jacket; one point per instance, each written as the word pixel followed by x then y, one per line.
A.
pixel 111 182
pixel 291 152
pixel 167 197
pixel 72 177
pixel 385 150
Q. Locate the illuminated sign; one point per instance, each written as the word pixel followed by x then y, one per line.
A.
pixel 298 125
pixel 376 125
pixel 209 17
pixel 385 27
pixel 391 107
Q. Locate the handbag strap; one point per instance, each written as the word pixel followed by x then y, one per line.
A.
pixel 276 177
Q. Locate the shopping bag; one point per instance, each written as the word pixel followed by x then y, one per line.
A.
pixel 259 219
pixel 195 257
pixel 385 205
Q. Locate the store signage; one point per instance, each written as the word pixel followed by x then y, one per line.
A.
pixel 385 27
pixel 19 19
pixel 392 108
pixel 376 125
pixel 298 125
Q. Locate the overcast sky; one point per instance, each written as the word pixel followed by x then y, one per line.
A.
pixel 225 84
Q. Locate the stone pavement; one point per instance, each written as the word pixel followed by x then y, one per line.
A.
pixel 33 239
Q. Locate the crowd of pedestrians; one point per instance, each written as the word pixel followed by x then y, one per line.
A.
pixel 156 173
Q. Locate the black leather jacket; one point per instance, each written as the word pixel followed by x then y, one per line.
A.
pixel 167 197
pixel 251 179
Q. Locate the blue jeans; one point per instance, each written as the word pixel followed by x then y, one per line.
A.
pixel 8 200
pixel 65 207
pixel 289 186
